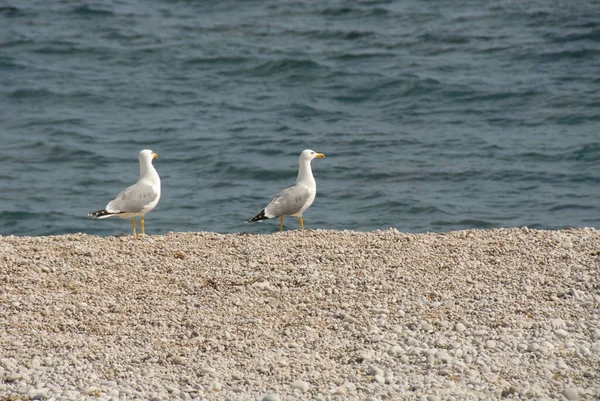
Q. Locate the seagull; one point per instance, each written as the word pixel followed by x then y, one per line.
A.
pixel 295 199
pixel 138 199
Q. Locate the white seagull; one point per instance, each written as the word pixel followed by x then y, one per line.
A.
pixel 138 199
pixel 294 200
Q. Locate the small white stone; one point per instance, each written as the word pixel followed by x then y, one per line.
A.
pixel 271 397
pixel 209 371
pixel 490 344
pixel 13 377
pixel 532 347
pixel 179 360
pixel 374 371
pixel 341 390
pixel 42 393
pixel 375 338
pixel 379 379
pixel 91 390
pixel 567 244
pixel 560 333
pixel 300 385
pixel 459 327
pixel 570 393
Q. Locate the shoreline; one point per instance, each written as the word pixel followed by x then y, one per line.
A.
pixel 302 315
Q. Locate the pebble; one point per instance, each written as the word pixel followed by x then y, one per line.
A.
pixel 300 385
pixel 560 333
pixel 396 350
pixel 341 390
pixel 208 371
pixel 570 393
pixel 13 377
pixel 271 397
pixel 459 327
pixel 567 244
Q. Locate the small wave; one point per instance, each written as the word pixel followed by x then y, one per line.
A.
pixel 574 119
pixel 218 60
pixel 42 94
pixel 299 67
pixel 32 93
pixel 392 90
pixel 444 37
pixel 337 11
pixel 10 11
pixel 588 152
pixel 53 153
pixel 70 48
pixel 368 55
pixel 593 36
pixel 464 224
pixel 86 10
pixel 226 170
pixel 570 206
pixel 345 11
pixel 335 34
pixel 41 122
pixel 549 57
pixel 65 136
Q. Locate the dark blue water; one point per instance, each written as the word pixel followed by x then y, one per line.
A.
pixel 434 116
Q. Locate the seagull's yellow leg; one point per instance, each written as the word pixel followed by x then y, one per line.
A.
pixel 133 226
pixel 142 224
pixel 281 223
pixel 301 220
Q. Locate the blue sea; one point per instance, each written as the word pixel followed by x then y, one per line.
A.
pixel 434 115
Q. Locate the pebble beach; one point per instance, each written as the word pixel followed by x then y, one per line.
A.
pixel 302 315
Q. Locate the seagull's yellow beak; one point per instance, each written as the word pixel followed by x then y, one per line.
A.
pixel 319 155
pixel 154 155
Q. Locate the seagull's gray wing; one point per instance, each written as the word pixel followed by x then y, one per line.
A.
pixel 289 201
pixel 132 199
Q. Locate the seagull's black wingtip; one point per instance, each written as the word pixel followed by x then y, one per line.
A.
pixel 260 216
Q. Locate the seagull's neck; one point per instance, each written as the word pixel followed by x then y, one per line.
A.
pixel 305 174
pixel 147 171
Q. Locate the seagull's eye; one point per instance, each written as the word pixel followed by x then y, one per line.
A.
pixel 312 153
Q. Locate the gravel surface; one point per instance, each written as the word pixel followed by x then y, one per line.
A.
pixel 478 314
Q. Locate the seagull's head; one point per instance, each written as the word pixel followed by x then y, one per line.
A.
pixel 147 155
pixel 310 154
